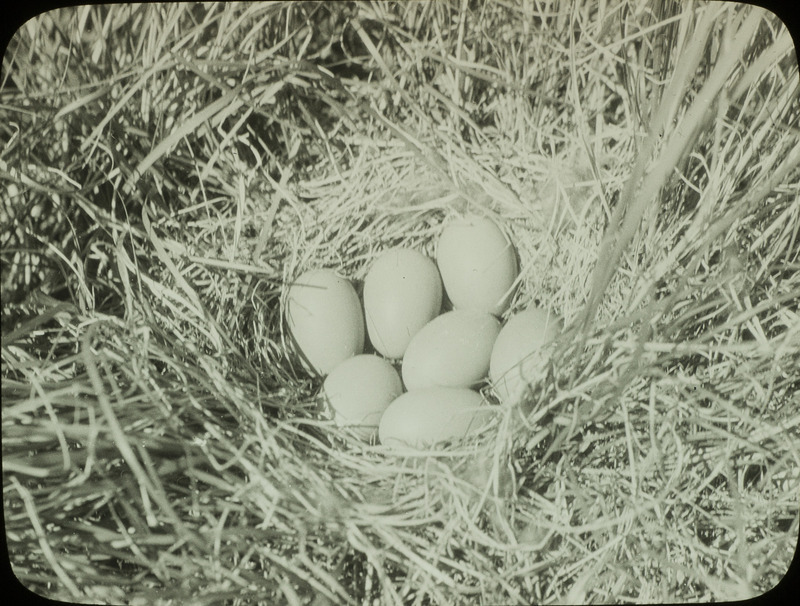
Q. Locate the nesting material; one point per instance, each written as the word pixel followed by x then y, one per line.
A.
pixel 170 170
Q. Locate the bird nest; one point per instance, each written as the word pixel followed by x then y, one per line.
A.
pixel 170 174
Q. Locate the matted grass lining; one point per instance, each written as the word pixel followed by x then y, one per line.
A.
pixel 167 169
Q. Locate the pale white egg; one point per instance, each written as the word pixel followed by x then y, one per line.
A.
pixel 359 390
pixel 478 265
pixel 424 417
pixel 325 319
pixel 519 356
pixel 402 293
pixel 452 350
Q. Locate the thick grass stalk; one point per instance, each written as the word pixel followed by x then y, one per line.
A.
pixel 638 195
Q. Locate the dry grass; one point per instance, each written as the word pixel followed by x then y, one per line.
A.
pixel 168 168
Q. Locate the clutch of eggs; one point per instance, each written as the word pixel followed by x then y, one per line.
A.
pixel 443 356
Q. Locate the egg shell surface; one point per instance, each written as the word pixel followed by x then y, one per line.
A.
pixel 402 293
pixel 423 417
pixel 325 319
pixel 478 265
pixel 359 390
pixel 518 358
pixel 452 350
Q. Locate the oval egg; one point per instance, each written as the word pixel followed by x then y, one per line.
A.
pixel 402 293
pixel 518 358
pixel 423 417
pixel 359 390
pixel 452 350
pixel 478 265
pixel 325 320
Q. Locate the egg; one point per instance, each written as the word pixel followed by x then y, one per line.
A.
pixel 518 358
pixel 452 350
pixel 478 265
pixel 423 417
pixel 359 390
pixel 325 319
pixel 402 293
